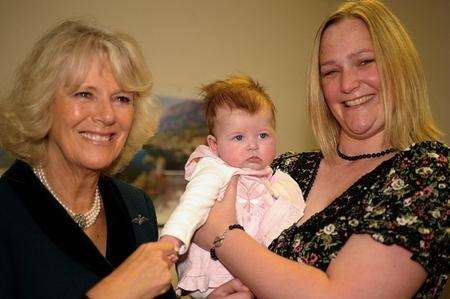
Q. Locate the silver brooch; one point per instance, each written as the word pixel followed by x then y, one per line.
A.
pixel 139 220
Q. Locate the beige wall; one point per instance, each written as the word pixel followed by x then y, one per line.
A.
pixel 191 42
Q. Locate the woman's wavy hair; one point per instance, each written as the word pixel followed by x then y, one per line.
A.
pixel 61 59
pixel 403 86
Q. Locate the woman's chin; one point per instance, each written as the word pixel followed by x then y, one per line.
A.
pixel 362 126
pixel 363 132
pixel 96 164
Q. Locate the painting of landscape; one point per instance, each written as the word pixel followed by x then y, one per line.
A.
pixel 159 167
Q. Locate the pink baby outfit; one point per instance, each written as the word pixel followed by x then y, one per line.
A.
pixel 266 204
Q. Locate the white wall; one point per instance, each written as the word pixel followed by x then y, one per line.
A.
pixel 188 43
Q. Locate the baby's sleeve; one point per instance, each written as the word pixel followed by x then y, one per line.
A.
pixel 200 195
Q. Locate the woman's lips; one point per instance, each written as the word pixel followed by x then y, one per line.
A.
pixel 358 101
pixel 97 137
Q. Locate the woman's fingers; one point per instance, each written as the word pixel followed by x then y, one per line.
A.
pixel 226 208
pixel 238 285
pixel 150 270
pixel 233 289
pixel 167 249
pixel 231 191
pixel 145 274
pixel 240 295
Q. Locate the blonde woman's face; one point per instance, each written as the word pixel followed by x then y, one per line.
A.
pixel 90 126
pixel 350 80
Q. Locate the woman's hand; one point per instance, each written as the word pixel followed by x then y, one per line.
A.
pixel 220 217
pixel 233 289
pixel 144 274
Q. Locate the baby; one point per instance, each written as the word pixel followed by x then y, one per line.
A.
pixel 241 121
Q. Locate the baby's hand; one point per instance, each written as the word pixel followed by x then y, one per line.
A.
pixel 176 242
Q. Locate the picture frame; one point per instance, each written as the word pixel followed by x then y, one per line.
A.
pixel 158 168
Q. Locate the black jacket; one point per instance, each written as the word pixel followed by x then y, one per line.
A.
pixel 44 254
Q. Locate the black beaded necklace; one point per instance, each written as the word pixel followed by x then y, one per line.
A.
pixel 365 156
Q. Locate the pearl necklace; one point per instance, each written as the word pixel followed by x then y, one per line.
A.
pixel 365 156
pixel 83 220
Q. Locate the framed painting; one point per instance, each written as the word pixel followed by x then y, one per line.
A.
pixel 158 168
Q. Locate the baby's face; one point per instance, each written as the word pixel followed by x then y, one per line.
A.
pixel 244 140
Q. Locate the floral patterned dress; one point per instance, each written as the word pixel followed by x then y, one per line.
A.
pixel 404 201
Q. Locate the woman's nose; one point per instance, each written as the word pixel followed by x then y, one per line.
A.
pixel 349 80
pixel 104 111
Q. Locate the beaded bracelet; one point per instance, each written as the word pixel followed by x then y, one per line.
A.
pixel 218 240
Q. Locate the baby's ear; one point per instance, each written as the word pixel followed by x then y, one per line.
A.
pixel 212 143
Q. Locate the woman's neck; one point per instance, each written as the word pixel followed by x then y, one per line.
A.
pixel 73 184
pixel 352 147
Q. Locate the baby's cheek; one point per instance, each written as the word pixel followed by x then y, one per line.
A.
pixel 233 156
pixel 270 152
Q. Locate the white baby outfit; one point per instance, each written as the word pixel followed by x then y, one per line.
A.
pixel 266 204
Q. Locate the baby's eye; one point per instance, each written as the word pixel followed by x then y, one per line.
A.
pixel 263 135
pixel 238 137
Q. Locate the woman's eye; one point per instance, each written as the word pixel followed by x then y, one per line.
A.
pixel 263 135
pixel 124 99
pixel 238 137
pixel 83 94
pixel 329 73
pixel 366 61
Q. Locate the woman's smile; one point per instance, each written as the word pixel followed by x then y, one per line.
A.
pixel 97 137
pixel 358 101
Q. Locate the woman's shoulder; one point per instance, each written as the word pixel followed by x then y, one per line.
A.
pixel 426 149
pixel 433 151
pixel 9 201
pixel 409 205
pixel 420 173
pixel 425 162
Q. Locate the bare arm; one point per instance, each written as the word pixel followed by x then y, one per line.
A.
pixel 363 268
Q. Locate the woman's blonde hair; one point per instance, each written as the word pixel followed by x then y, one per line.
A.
pixel 61 59
pixel 403 86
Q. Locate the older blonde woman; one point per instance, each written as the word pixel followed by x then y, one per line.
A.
pixel 376 219
pixel 80 109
